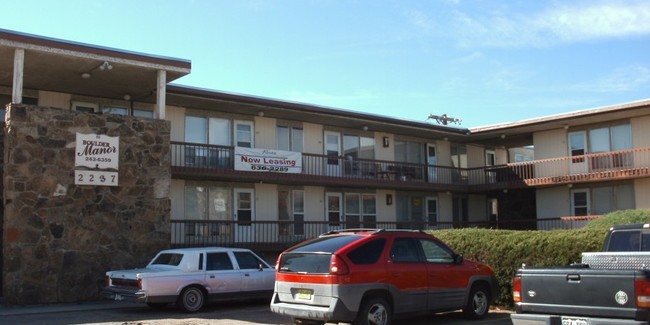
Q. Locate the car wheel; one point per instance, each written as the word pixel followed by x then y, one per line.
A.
pixel 157 305
pixel 191 299
pixel 374 311
pixel 478 303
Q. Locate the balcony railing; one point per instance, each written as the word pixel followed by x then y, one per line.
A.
pixel 206 161
pixel 277 235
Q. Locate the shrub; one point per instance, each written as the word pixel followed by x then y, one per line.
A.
pixel 506 250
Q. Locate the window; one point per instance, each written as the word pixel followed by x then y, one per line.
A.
pixel 432 211
pixel 204 136
pixel 85 107
pixel 410 211
pixel 367 253
pixel 580 202
pixel 244 134
pixel 248 261
pixel 123 111
pixel 210 203
pixel 218 262
pixel 608 139
pixel 404 250
pixel 408 151
pixel 168 259
pixel 360 210
pixel 142 113
pixel 434 252
pixel 289 138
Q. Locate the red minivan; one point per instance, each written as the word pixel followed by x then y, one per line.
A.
pixel 371 276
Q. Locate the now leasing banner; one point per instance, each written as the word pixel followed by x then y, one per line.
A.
pixel 267 160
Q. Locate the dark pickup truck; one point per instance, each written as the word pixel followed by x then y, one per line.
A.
pixel 608 287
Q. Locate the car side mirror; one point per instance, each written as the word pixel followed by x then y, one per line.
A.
pixel 458 259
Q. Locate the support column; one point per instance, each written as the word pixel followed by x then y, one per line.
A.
pixel 19 63
pixel 161 94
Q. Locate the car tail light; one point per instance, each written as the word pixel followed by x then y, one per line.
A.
pixel 139 283
pixel 516 289
pixel 338 266
pixel 642 293
pixel 107 281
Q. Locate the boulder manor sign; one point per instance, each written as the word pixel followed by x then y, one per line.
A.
pixel 94 154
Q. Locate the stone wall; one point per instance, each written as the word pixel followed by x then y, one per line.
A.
pixel 60 238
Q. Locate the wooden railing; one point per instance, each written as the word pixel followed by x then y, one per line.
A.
pixel 205 161
pixel 277 235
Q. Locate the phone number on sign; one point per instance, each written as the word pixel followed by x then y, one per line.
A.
pixel 269 168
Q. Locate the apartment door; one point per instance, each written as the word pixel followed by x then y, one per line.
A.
pixel 244 215
pixel 432 212
pixel 334 210
pixel 580 202
pixel 432 161
pixel 334 166
pixel 490 161
pixel 577 150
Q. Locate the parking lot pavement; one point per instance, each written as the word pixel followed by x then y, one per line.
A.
pixel 249 313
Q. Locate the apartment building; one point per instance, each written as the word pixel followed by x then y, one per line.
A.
pixel 266 173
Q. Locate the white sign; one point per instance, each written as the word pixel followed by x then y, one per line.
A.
pixel 97 151
pixel 93 177
pixel 268 160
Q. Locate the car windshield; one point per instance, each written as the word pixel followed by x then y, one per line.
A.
pixel 168 259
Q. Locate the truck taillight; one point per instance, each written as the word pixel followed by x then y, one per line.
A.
pixel 338 266
pixel 642 293
pixel 516 289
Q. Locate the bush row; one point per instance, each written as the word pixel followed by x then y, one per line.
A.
pixel 507 250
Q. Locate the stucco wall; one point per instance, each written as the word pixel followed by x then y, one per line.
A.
pixel 60 238
pixel 553 202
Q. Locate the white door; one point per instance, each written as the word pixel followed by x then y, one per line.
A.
pixel 432 161
pixel 490 161
pixel 580 202
pixel 334 210
pixel 334 165
pixel 577 149
pixel 244 215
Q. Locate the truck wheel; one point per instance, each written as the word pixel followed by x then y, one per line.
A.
pixel 191 299
pixel 374 311
pixel 478 303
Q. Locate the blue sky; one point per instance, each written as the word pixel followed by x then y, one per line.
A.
pixel 484 62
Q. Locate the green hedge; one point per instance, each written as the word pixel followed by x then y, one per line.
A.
pixel 506 250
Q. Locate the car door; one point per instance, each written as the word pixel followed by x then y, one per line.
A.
pixel 407 272
pixel 446 280
pixel 221 276
pixel 257 276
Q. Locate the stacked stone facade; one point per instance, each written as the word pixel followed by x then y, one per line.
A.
pixel 60 238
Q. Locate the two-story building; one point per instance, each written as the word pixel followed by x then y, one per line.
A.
pixel 230 169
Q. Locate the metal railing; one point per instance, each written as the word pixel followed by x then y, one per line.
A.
pixel 219 160
pixel 274 235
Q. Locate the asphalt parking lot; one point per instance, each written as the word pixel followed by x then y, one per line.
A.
pixel 257 312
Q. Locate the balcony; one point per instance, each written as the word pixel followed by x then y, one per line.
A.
pixel 211 162
pixel 278 235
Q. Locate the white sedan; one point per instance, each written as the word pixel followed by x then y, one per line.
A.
pixel 192 277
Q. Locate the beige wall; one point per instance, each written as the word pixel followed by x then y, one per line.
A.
pixel 445 212
pixel 553 202
pixel 313 138
pixel 385 213
pixel 640 132
pixel 314 203
pixel 550 144
pixel 475 156
pixel 52 99
pixel 177 198
pixel 382 153
pixel 266 202
pixel 642 193
pixel 176 115
pixel 443 151
pixel 265 133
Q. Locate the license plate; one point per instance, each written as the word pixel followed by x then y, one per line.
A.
pixel 574 321
pixel 304 294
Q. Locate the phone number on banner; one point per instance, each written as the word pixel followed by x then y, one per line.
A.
pixel 90 177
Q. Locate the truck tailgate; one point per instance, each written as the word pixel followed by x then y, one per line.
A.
pixel 579 292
